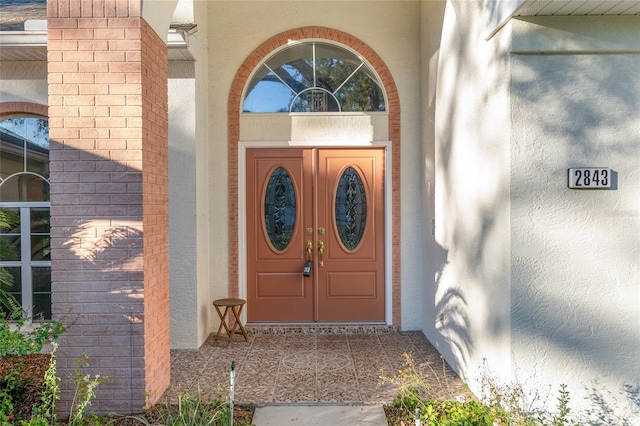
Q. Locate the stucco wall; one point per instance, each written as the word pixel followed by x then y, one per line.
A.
pixel 23 82
pixel 574 271
pixel 536 283
pixel 391 29
pixel 182 205
pixel 342 129
pixel 434 257
pixel 200 43
pixel 467 307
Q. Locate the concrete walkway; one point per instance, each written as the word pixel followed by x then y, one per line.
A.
pixel 320 415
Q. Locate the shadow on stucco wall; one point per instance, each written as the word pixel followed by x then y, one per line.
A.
pixel 580 107
pixel 557 340
pixel 603 411
pixel 574 253
pixel 454 325
pixel 530 269
pixel 471 296
pixel 465 251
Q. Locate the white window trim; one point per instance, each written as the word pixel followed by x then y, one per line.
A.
pixel 25 262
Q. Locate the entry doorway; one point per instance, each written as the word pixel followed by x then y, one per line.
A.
pixel 315 234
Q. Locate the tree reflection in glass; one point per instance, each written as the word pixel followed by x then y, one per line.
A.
pixel 314 77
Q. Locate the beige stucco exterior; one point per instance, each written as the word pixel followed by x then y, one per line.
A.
pixel 522 284
pixel 24 82
pixel 504 269
pixel 574 309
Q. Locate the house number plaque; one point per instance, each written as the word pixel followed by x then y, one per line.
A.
pixel 590 178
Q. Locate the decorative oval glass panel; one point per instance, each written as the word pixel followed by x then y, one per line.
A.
pixel 351 208
pixel 280 208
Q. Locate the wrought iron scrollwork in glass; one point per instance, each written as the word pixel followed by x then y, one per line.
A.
pixel 280 208
pixel 351 208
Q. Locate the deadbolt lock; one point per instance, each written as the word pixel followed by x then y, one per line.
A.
pixel 321 231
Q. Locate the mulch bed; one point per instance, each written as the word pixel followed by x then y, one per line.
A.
pixel 31 370
pixel 397 417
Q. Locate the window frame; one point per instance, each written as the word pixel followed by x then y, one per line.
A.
pixel 25 263
pixel 363 63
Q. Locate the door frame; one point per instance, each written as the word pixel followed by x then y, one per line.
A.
pixel 242 214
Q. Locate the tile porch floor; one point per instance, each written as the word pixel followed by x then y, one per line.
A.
pixel 310 365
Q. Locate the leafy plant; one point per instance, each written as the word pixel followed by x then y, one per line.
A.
pixel 84 391
pixel 464 410
pixel 194 410
pixel 467 413
pixel 8 220
pixel 10 387
pixel 45 413
pixel 561 417
pixel 499 405
pixel 190 410
pixel 20 337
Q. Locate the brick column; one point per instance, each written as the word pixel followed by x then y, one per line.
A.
pixel 109 200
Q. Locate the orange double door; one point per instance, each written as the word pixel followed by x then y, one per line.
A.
pixel 315 235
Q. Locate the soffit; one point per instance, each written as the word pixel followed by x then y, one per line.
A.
pixel 31 45
pixel 578 8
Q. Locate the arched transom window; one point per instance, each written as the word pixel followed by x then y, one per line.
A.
pixel 24 159
pixel 313 76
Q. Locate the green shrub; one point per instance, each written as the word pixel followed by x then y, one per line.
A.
pixel 194 410
pixel 421 395
pixel 8 220
pixel 18 336
pixel 85 386
pixel 44 413
pixel 190 410
pixel 11 387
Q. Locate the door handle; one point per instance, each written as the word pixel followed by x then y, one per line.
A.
pixel 309 250
pixel 306 271
pixel 320 253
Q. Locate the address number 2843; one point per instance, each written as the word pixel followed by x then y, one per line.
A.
pixel 589 177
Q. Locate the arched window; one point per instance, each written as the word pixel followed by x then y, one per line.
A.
pixel 25 249
pixel 313 76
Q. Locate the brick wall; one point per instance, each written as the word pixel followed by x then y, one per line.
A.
pixel 21 108
pixel 155 185
pixel 109 212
